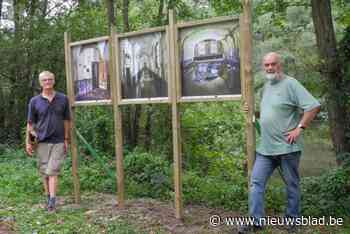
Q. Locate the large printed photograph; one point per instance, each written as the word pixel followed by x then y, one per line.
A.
pixel 210 62
pixel 90 71
pixel 144 64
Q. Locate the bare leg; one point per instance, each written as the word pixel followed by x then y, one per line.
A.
pixel 52 190
pixel 46 185
pixel 52 185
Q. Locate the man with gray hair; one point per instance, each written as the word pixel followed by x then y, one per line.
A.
pixel 286 110
pixel 48 123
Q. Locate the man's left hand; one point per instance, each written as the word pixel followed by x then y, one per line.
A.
pixel 293 135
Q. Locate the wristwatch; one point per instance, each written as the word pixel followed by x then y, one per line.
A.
pixel 301 126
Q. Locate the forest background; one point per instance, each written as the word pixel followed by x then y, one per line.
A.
pixel 313 37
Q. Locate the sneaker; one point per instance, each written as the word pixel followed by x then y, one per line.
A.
pixel 242 229
pixel 47 202
pixel 290 227
pixel 51 207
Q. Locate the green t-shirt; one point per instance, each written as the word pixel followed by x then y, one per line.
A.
pixel 281 108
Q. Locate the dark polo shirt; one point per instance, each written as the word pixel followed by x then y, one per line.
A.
pixel 48 117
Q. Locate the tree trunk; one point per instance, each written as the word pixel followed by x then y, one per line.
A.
pixel 148 125
pixel 160 12
pixel 12 122
pixel 331 72
pixel 0 9
pixel 133 112
pixel 126 15
pixel 81 3
pixel 110 14
pixel 44 7
pixel 136 124
pixel 2 114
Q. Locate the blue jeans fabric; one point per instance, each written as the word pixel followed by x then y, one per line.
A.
pixel 262 170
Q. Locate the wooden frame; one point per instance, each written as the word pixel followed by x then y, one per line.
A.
pixel 72 45
pixel 248 82
pixel 193 24
pixel 117 117
pixel 93 103
pixel 176 129
pixel 174 94
pixel 71 97
pixel 126 101
pixel 89 41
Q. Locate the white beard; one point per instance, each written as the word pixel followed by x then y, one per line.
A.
pixel 271 76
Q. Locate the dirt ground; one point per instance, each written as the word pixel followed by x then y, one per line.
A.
pixel 6 226
pixel 153 216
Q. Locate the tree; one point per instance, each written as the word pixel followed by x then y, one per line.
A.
pixel 110 14
pixel 126 15
pixel 26 49
pixel 323 73
pixel 0 9
pixel 332 73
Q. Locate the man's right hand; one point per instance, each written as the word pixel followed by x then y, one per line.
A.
pixel 245 107
pixel 29 149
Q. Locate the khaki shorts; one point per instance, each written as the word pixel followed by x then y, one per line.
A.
pixel 50 158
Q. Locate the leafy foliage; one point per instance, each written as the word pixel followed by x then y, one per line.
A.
pixel 212 134
pixel 96 126
pixel 148 175
pixel 327 194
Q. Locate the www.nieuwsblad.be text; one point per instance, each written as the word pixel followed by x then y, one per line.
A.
pixel 217 220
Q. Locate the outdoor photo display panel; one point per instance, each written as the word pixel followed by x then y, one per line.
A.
pixel 90 71
pixel 144 66
pixel 210 62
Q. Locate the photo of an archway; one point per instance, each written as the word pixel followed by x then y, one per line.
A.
pixel 90 71
pixel 143 66
pixel 210 62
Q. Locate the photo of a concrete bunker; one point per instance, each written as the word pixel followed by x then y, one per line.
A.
pixel 210 62
pixel 90 71
pixel 144 66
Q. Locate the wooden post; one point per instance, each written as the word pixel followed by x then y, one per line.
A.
pixel 175 115
pixel 118 130
pixel 70 92
pixel 247 76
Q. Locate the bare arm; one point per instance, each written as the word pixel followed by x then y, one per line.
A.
pixel 309 116
pixel 27 133
pixel 305 121
pixel 67 126
pixel 66 129
pixel 29 146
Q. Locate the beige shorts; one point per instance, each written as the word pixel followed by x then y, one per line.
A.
pixel 50 158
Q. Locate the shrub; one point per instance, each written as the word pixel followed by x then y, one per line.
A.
pixel 214 192
pixel 327 194
pixel 96 126
pixel 148 174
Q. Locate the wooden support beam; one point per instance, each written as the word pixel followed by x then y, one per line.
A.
pixel 70 93
pixel 173 47
pixel 118 130
pixel 247 79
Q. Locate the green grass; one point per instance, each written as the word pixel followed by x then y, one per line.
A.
pixel 21 204
pixel 22 199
